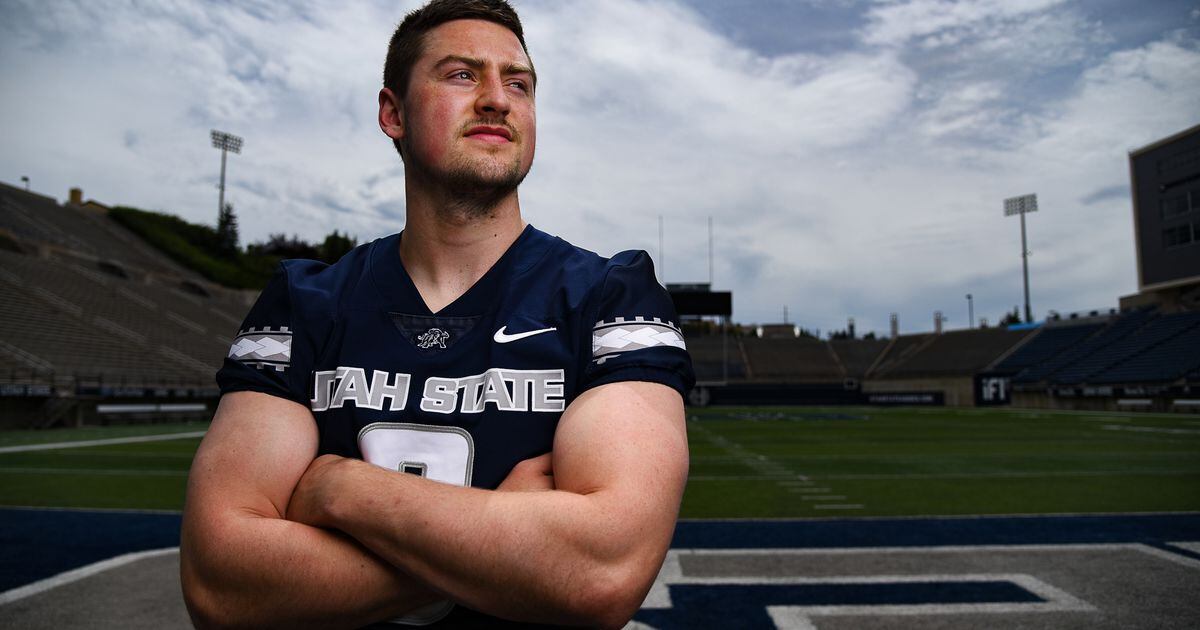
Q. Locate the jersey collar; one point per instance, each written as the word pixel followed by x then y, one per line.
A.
pixel 400 294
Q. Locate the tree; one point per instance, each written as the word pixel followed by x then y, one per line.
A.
pixel 336 245
pixel 227 230
pixel 1011 318
pixel 282 246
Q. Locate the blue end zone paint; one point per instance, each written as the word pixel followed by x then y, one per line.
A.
pixel 930 532
pixel 37 544
pixel 745 606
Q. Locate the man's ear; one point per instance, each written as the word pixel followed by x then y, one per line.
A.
pixel 391 115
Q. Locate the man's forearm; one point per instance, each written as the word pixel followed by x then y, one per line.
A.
pixel 552 556
pixel 246 570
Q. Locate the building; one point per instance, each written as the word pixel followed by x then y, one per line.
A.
pixel 1165 182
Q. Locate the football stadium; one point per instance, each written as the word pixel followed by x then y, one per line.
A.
pixel 1034 475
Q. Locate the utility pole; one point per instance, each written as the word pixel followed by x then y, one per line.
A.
pixel 225 142
pixel 970 311
pixel 1022 206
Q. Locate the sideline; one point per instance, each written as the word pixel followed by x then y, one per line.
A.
pixel 75 575
pixel 52 446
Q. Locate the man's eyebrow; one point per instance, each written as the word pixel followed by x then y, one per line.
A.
pixel 470 62
pixel 477 64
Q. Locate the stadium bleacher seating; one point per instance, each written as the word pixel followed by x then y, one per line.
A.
pixel 80 321
pixel 898 350
pixel 1155 333
pixel 858 355
pixel 1047 342
pixel 41 219
pixel 85 305
pixel 1115 331
pixel 1178 358
pixel 88 309
pixel 796 359
pixel 956 353
pixel 712 361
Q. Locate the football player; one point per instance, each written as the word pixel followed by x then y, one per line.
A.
pixel 466 424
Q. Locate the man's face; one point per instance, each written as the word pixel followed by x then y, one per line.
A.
pixel 468 116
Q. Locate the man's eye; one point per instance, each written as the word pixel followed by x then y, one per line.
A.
pixel 462 74
pixel 520 85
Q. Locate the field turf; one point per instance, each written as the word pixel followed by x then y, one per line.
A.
pixel 764 462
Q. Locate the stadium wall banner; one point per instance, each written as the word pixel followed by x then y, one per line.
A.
pixel 776 394
pixel 808 394
pixel 992 390
pixel 22 390
pixel 921 399
pixel 124 391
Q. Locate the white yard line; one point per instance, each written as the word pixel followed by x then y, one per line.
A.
pixel 74 575
pixel 52 446
pixel 125 472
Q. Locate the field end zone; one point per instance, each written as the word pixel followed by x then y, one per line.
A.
pixel 1127 571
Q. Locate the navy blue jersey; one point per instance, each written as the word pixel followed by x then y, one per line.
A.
pixel 459 396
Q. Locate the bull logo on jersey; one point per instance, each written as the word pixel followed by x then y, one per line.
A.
pixel 433 337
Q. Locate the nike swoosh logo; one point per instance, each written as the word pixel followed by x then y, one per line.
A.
pixel 503 337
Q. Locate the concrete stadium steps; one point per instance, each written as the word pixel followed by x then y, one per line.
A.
pixel 709 357
pixel 43 336
pixel 799 359
pixel 81 230
pixel 955 353
pixel 898 350
pixel 857 355
pixel 170 335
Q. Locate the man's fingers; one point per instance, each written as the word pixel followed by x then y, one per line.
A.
pixel 535 473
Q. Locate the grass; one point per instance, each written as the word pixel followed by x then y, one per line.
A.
pixel 789 462
pixel 765 462
pixel 142 475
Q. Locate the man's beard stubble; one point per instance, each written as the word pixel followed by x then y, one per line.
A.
pixel 472 190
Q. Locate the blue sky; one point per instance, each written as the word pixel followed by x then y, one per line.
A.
pixel 854 156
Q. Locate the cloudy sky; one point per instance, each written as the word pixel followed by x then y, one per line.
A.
pixel 853 155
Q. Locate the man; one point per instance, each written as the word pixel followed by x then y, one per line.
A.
pixel 532 390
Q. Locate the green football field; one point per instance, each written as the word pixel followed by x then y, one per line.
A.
pixel 759 462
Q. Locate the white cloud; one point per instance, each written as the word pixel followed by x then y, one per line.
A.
pixel 856 182
pixel 941 22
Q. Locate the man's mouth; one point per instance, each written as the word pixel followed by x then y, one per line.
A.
pixel 489 133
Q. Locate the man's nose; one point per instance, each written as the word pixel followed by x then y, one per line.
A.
pixel 493 99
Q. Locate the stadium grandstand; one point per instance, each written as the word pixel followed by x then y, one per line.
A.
pixel 96 324
pixel 1144 355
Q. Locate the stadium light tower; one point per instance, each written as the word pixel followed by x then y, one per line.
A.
pixel 225 142
pixel 1023 205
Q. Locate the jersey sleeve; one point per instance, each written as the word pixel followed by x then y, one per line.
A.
pixel 267 355
pixel 636 336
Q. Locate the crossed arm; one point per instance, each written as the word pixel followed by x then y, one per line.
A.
pixel 272 536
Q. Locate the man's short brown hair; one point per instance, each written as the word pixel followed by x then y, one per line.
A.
pixel 409 38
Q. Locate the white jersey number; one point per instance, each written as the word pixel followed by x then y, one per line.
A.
pixel 445 454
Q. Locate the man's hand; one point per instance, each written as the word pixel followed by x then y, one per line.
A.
pixel 312 499
pixel 531 475
pixel 319 487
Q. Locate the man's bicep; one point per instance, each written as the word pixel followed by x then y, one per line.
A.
pixel 255 451
pixel 628 440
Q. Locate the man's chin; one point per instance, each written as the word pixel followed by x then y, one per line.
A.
pixel 483 178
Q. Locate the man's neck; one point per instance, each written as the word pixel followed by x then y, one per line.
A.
pixel 448 247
